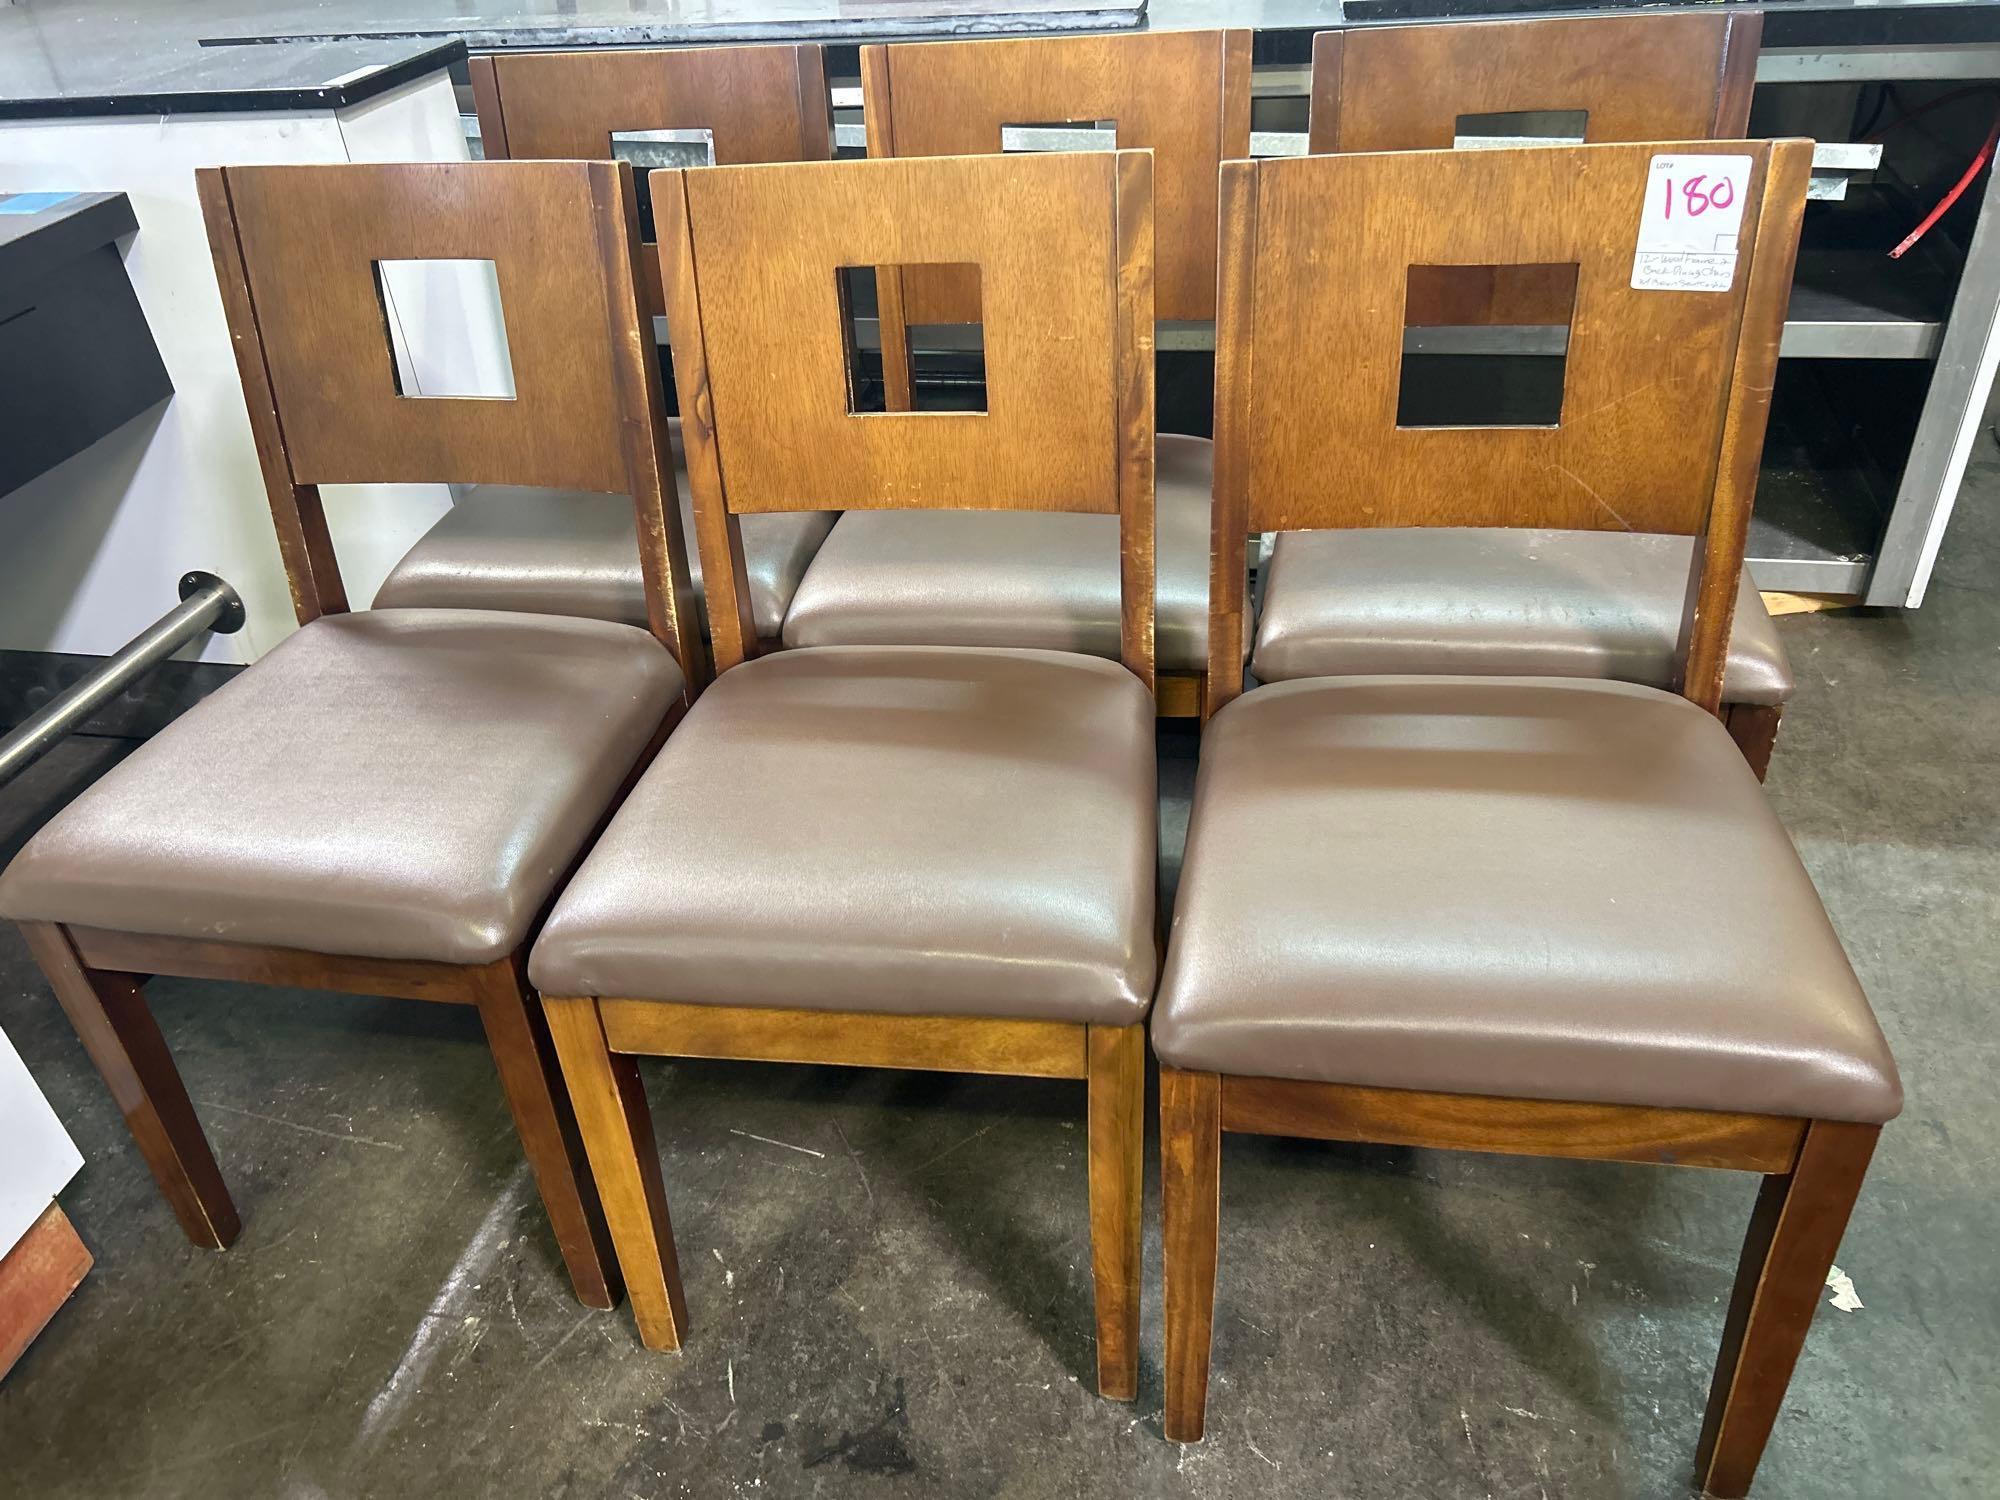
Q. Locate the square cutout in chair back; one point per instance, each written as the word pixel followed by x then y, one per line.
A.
pixel 947 361
pixel 1406 264
pixel 1485 346
pixel 447 332
pixel 1034 241
pixel 1059 135
pixel 378 288
pixel 1521 127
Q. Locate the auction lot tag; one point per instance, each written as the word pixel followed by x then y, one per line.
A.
pixel 1688 227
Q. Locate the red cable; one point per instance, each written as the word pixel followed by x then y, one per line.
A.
pixel 1944 204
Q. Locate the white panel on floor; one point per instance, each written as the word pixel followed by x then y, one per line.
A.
pixel 39 1158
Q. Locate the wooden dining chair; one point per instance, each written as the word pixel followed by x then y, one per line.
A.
pixel 573 552
pixel 834 860
pixel 1542 915
pixel 385 803
pixel 982 577
pixel 1589 604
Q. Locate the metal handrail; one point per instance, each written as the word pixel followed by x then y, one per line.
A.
pixel 207 603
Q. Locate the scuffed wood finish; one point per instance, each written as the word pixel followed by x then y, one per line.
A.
pixel 138 953
pixel 1137 453
pixel 1640 77
pixel 950 1044
pixel 1229 519
pixel 518 1034
pixel 1719 542
pixel 617 1130
pixel 732 630
pixel 304 544
pixel 36 1277
pixel 1739 75
pixel 1185 95
pixel 1518 1127
pixel 1754 727
pixel 671 612
pixel 1794 1234
pixel 1190 1198
pixel 1117 1171
pixel 118 1031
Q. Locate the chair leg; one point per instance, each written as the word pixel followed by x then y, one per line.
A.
pixel 1190 1196
pixel 1755 731
pixel 1794 1233
pixel 518 1033
pixel 617 1129
pixel 112 1020
pixel 1117 1087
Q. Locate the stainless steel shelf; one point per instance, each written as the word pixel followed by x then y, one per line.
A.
pixel 1819 500
pixel 1800 543
pixel 1859 304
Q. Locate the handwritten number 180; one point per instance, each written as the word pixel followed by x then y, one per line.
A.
pixel 1697 202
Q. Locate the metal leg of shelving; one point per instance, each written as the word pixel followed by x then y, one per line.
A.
pixel 1953 407
pixel 207 603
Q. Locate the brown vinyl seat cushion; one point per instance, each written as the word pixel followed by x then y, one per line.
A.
pixel 1013 578
pixel 408 784
pixel 576 552
pixel 1538 888
pixel 1501 602
pixel 924 831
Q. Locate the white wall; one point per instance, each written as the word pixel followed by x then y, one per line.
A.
pixel 90 552
pixel 38 1156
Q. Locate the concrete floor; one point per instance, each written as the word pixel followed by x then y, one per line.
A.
pixel 888 1274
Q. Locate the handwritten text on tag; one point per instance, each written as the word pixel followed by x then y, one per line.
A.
pixel 1688 227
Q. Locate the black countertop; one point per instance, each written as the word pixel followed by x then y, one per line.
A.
pixel 143 76
pixel 39 231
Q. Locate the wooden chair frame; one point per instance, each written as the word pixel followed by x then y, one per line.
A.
pixel 1507 472
pixel 767 103
pixel 1812 1168
pixel 99 975
pixel 1165 89
pixel 906 205
pixel 1639 77
pixel 1812 1174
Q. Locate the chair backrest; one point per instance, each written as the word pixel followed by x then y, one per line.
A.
pixel 1677 77
pixel 1665 396
pixel 298 253
pixel 752 260
pixel 1184 95
pixel 759 103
